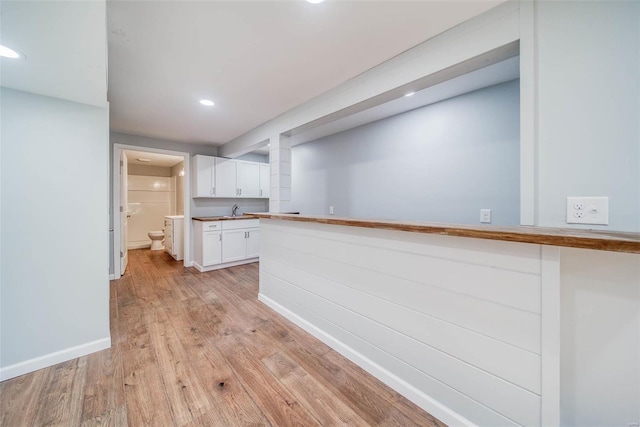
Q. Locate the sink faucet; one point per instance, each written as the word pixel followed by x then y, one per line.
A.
pixel 234 210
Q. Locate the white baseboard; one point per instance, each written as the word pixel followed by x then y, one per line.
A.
pixel 139 245
pixel 112 277
pixel 224 265
pixel 51 359
pixel 418 397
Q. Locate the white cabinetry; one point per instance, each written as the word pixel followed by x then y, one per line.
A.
pixel 226 170
pixel 248 179
pixel 221 244
pixel 235 245
pixel 208 243
pixel 203 176
pixel 265 179
pixel 219 177
pixel 174 236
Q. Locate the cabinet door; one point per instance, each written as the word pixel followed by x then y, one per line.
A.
pixel 225 173
pixel 249 179
pixel 211 248
pixel 265 179
pixel 203 176
pixel 253 242
pixel 234 245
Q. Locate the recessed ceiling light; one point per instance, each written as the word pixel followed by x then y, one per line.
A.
pixel 409 94
pixel 315 1
pixel 5 52
pixel 207 102
pixel 143 160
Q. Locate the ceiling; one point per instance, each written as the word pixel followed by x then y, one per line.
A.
pixel 494 74
pixel 255 59
pixel 161 160
pixel 65 47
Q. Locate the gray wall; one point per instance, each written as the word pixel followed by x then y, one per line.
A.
pixel 443 162
pixel 254 157
pixel 54 284
pixel 589 109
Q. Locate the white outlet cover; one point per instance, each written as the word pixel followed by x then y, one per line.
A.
pixel 588 210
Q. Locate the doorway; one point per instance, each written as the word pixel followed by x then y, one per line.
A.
pixel 148 185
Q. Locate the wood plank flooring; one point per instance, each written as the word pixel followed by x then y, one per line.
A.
pixel 199 349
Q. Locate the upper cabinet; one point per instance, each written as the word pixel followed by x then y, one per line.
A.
pixel 204 184
pixel 226 178
pixel 248 179
pixel 219 177
pixel 265 179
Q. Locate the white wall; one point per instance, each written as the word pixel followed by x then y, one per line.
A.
pixel 179 184
pixel 600 348
pixel 589 108
pixel 149 200
pixel 443 162
pixel 54 286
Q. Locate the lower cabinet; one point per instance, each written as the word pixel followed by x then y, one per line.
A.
pixel 220 244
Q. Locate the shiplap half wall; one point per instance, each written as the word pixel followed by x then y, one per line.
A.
pixel 452 323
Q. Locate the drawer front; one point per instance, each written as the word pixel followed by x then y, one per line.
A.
pixel 211 226
pixel 240 223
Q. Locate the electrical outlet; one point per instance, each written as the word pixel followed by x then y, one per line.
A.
pixel 330 210
pixel 485 216
pixel 588 210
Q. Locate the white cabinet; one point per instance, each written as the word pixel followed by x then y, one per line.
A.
pixel 211 248
pixel 226 177
pixel 248 179
pixel 174 236
pixel 203 176
pixel 219 177
pixel 265 179
pixel 220 244
pixel 253 242
pixel 208 243
pixel 234 245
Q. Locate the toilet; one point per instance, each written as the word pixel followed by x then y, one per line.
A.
pixel 156 240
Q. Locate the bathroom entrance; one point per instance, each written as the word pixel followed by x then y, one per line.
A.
pixel 149 189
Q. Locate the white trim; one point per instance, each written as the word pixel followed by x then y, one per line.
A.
pixel 140 246
pixel 550 335
pixel 188 232
pixel 51 359
pixel 223 265
pixel 112 277
pixel 418 397
pixel 528 114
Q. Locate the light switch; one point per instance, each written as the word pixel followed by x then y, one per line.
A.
pixel 485 216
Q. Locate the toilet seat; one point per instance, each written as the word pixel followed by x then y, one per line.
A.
pixel 156 234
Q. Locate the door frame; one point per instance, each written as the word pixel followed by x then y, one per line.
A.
pixel 117 148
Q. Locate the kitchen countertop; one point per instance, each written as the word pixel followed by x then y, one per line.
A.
pixel 222 218
pixel 567 237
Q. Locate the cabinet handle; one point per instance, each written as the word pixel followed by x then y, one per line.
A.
pixel 260 192
pixel 213 191
pixel 220 237
pixel 241 191
pixel 248 234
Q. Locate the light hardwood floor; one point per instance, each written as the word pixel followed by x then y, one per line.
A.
pixel 199 349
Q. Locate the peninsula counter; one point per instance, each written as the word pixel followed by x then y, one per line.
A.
pixel 477 325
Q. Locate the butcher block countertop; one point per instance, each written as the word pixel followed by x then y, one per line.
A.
pixel 222 218
pixel 567 237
